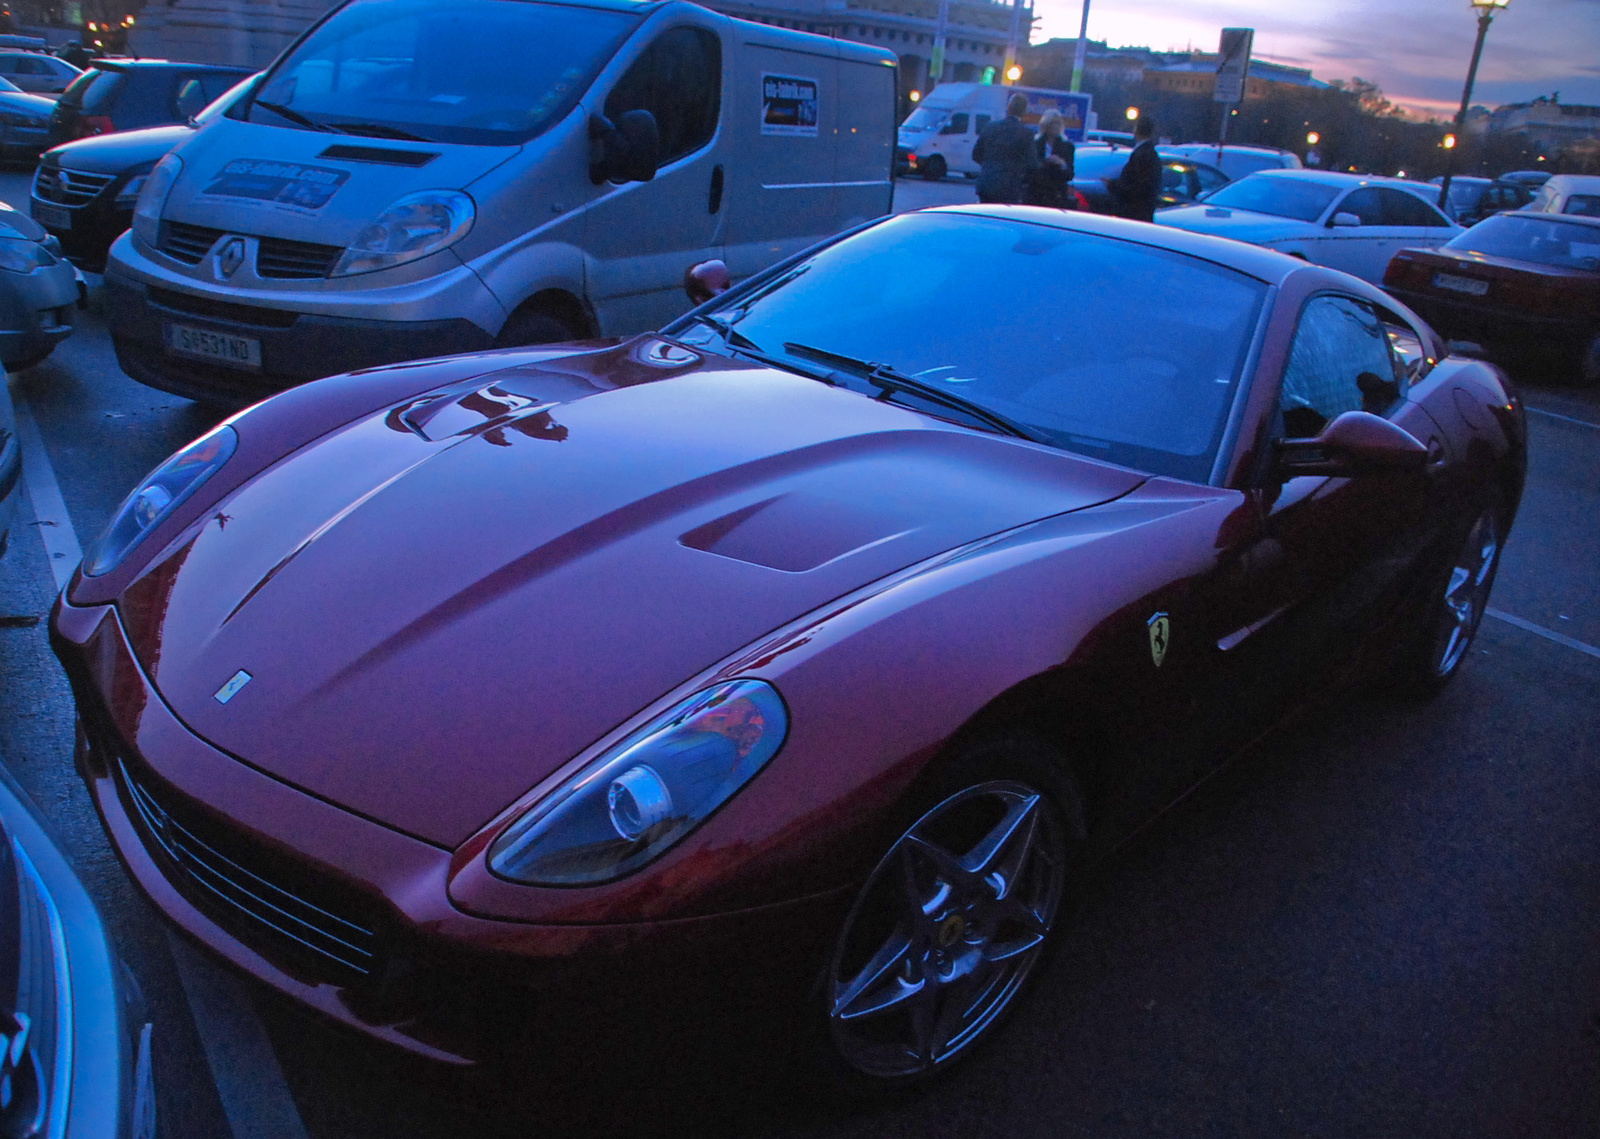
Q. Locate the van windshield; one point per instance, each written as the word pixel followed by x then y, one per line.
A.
pixel 925 119
pixel 481 72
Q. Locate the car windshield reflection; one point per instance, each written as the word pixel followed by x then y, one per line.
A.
pixel 1105 347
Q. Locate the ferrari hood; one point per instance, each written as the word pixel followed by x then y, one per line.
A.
pixel 439 604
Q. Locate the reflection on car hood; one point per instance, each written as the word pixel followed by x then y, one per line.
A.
pixel 441 603
pixel 21 103
pixel 121 150
pixel 1241 225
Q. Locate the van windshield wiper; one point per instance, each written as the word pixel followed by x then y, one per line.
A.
pixel 294 116
pixel 376 130
pixel 889 380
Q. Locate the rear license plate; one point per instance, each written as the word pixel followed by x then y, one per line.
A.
pixel 56 217
pixel 1469 285
pixel 218 347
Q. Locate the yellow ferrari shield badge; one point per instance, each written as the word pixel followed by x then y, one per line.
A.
pixel 1160 631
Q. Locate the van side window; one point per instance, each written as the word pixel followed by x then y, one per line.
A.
pixel 957 124
pixel 981 122
pixel 678 79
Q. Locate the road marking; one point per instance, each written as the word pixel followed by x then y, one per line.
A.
pixel 1541 631
pixel 250 1084
pixel 49 509
pixel 1563 418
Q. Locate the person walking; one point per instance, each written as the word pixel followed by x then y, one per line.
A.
pixel 1006 156
pixel 1051 183
pixel 1137 189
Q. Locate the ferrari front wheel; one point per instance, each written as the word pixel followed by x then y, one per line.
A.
pixel 953 922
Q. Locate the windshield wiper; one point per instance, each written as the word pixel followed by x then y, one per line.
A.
pixel 741 344
pixel 376 130
pixel 295 116
pixel 888 380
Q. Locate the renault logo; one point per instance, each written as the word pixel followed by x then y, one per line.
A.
pixel 230 257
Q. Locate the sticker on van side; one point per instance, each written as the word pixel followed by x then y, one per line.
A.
pixel 271 182
pixel 789 106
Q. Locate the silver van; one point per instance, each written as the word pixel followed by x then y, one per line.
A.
pixel 415 179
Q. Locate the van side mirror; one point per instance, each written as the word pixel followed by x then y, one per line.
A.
pixel 628 150
pixel 706 280
pixel 1355 443
pixel 191 99
pixel 1344 220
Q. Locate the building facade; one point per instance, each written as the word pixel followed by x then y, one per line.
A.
pixel 1550 124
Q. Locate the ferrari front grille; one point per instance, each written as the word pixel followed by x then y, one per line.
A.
pixel 231 880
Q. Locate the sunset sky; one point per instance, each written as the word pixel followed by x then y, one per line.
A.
pixel 1416 50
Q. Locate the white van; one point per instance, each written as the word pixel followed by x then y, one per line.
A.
pixel 415 179
pixel 937 138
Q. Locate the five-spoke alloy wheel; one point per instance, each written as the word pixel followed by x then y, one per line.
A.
pixel 947 930
pixel 1466 594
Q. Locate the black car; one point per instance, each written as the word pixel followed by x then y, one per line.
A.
pixel 1473 199
pixel 75 1055
pixel 84 191
pixel 1183 180
pixel 126 94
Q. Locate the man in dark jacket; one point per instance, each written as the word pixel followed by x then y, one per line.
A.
pixel 1006 154
pixel 1138 187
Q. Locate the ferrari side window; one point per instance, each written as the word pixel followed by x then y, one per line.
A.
pixel 1340 361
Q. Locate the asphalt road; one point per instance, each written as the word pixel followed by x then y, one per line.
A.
pixel 1385 921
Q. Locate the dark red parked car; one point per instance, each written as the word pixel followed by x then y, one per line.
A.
pixel 1524 286
pixel 821 639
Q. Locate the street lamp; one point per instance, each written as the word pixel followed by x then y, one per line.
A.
pixel 1013 73
pixel 1133 114
pixel 1312 138
pixel 1485 10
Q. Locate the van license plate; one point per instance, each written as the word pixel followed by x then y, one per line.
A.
pixel 219 347
pixel 1469 285
pixel 56 217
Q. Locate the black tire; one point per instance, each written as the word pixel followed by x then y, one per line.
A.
pixel 933 168
pixel 1455 608
pixel 995 940
pixel 527 327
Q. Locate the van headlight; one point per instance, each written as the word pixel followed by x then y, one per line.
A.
pixel 640 797
pixel 158 496
pixel 153 199
pixel 415 226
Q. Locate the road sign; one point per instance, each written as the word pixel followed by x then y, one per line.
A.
pixel 1234 67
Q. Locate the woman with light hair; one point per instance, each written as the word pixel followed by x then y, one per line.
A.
pixel 1051 183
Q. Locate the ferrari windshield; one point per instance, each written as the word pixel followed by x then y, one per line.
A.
pixel 485 72
pixel 1279 196
pixel 1533 237
pixel 1109 348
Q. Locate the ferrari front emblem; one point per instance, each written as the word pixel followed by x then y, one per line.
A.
pixel 1160 633
pixel 231 689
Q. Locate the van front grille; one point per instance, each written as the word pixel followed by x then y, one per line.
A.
pixel 245 887
pixel 295 260
pixel 187 243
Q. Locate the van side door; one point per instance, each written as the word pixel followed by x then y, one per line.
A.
pixel 783 112
pixel 639 237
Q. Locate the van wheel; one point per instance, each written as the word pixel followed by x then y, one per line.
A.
pixel 534 326
pixel 933 168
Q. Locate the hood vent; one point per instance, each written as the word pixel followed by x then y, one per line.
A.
pixel 382 155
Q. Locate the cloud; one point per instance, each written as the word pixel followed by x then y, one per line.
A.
pixel 1416 50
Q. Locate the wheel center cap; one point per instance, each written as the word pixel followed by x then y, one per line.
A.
pixel 950 930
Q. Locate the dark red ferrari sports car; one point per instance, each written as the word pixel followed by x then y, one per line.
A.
pixel 824 636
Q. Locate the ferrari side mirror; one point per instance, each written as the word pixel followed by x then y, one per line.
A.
pixel 706 280
pixel 1355 443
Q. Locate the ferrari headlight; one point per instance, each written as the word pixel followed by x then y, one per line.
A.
pixel 415 226
pixel 153 198
pixel 20 255
pixel 636 800
pixel 158 496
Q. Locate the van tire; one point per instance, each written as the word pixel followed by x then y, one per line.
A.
pixel 531 326
pixel 933 168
